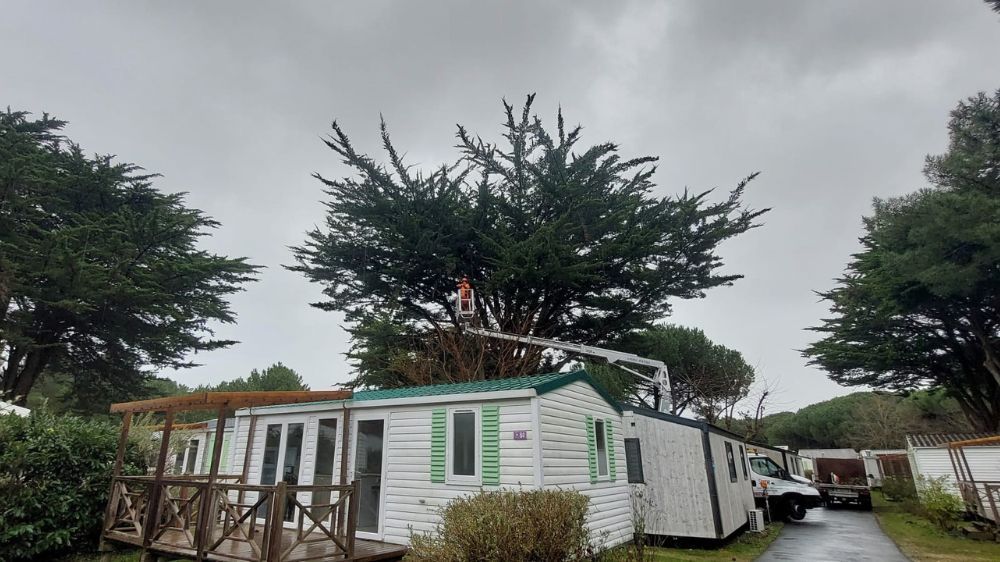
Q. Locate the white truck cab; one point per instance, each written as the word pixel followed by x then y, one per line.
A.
pixel 785 495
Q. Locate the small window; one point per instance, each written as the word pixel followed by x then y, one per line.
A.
pixel 602 448
pixel 464 449
pixel 743 462
pixel 633 461
pixel 192 455
pixel 731 460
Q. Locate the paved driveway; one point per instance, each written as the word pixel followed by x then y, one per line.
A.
pixel 833 535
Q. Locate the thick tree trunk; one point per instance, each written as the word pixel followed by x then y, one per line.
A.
pixel 19 378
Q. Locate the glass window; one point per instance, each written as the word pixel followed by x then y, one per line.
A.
pixel 290 469
pixel 764 466
pixel 192 455
pixel 743 461
pixel 633 461
pixel 463 450
pixel 731 459
pixel 602 448
pixel 323 475
pixel 368 472
pixel 269 470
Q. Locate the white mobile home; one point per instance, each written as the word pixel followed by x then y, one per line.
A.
pixel 693 476
pixel 928 456
pixel 195 457
pixel 414 449
pixel 873 464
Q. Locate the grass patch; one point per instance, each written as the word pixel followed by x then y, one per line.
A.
pixel 745 548
pixel 920 540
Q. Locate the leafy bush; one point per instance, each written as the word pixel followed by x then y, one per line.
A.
pixel 55 475
pixel 896 488
pixel 939 505
pixel 522 526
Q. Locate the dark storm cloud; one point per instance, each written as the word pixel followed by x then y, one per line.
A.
pixel 834 102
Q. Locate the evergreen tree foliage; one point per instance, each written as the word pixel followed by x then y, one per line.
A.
pixel 706 378
pixel 919 306
pixel 559 239
pixel 101 278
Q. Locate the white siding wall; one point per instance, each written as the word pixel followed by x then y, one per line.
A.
pixel 563 432
pixel 933 462
pixel 411 499
pixel 735 498
pixel 676 488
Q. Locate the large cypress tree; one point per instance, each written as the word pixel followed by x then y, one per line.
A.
pixel 101 277
pixel 559 239
pixel 919 306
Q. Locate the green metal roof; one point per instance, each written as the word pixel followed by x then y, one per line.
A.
pixel 499 385
pixel 541 383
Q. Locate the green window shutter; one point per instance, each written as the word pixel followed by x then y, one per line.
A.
pixel 610 430
pixel 439 420
pixel 206 457
pixel 491 445
pixel 591 449
pixel 224 467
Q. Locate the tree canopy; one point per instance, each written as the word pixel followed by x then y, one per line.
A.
pixel 706 378
pixel 919 306
pixel 101 277
pixel 559 239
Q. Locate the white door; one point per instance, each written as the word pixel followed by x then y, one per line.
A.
pixel 368 468
pixel 282 459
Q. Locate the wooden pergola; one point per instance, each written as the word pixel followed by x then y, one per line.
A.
pixel 206 517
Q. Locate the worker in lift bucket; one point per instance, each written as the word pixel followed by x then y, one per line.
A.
pixel 465 298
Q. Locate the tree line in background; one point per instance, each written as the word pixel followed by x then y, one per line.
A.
pixel 863 420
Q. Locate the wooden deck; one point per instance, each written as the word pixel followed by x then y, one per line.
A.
pixel 175 543
pixel 226 521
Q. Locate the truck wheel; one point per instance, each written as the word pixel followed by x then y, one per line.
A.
pixel 796 510
pixel 866 504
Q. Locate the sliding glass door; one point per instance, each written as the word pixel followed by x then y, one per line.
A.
pixel 282 459
pixel 368 466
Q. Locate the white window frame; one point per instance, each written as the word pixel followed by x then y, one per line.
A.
pixel 607 449
pixel 450 476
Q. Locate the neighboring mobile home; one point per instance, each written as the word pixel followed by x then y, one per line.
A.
pixel 928 455
pixel 692 476
pixel 414 449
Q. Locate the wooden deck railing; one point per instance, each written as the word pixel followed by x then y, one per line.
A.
pixel 229 520
pixel 982 497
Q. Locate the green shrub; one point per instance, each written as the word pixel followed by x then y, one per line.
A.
pixel 896 488
pixel 54 483
pixel 522 526
pixel 939 505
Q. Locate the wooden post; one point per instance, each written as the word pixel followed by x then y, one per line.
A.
pixel 352 518
pixel 110 511
pixel 152 520
pixel 245 474
pixel 345 450
pixel 207 506
pixel 277 517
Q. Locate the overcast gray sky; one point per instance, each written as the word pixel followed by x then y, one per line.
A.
pixel 835 102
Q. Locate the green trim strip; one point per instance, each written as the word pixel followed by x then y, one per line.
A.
pixel 490 417
pixel 610 431
pixel 206 456
pixel 591 449
pixel 439 420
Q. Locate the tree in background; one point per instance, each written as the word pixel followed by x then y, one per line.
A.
pixel 560 240
pixel 275 377
pixel 919 306
pixel 864 420
pixel 100 274
pixel 706 378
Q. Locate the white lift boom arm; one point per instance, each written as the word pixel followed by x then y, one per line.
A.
pixel 660 380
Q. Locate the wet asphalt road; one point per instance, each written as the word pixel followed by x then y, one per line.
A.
pixel 833 535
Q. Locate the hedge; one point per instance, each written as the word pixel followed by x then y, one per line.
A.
pixel 55 475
